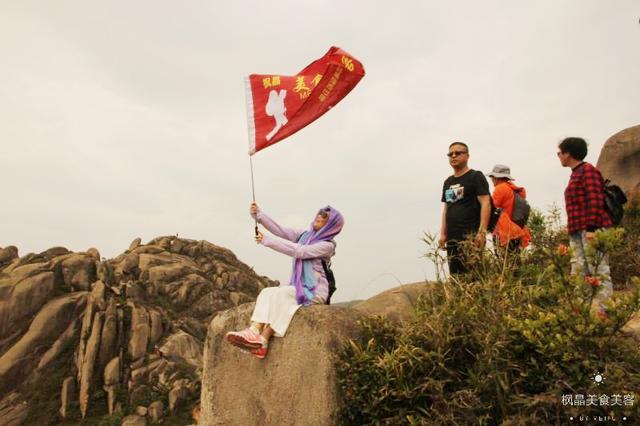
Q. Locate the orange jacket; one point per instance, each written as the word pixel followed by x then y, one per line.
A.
pixel 506 229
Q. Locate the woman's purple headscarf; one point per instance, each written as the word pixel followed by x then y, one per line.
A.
pixel 302 277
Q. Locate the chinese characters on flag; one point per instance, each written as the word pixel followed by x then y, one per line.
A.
pixel 278 105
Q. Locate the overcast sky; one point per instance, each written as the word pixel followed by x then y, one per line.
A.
pixel 125 119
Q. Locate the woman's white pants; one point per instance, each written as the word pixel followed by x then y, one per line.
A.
pixel 276 306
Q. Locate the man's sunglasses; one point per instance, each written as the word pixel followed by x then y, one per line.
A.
pixel 455 153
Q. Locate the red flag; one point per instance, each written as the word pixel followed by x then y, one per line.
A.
pixel 278 105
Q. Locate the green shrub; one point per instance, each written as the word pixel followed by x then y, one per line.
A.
pixel 501 345
pixel 625 262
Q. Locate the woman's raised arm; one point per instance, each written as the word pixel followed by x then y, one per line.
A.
pixel 300 251
pixel 273 227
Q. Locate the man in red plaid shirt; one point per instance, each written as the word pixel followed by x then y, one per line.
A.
pixel 584 200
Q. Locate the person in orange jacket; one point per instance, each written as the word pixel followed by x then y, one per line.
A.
pixel 507 234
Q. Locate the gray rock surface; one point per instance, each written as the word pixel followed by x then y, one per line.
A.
pixel 232 379
pixel 396 304
pixel 87 372
pixel 7 254
pixel 57 349
pixel 183 346
pixel 112 382
pixel 140 331
pixel 22 293
pixel 135 243
pixel 67 395
pixel 619 159
pixel 52 320
pixel 79 271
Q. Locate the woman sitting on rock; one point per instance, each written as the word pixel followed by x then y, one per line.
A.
pixel 276 306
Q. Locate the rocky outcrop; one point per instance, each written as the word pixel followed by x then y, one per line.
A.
pixel 13 410
pixel 397 304
pixel 67 338
pixel 8 254
pixel 23 291
pixel 79 271
pixel 140 330
pixel 112 379
pixel 185 347
pixel 129 328
pixel 299 369
pixel 52 320
pixel 619 159
pixel 67 395
pixel 89 362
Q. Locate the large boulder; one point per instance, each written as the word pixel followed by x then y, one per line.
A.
pixel 111 382
pixel 294 385
pixel 397 304
pixel 56 350
pixel 620 159
pixel 185 347
pixel 8 254
pixel 51 321
pixel 22 293
pixel 87 371
pixel 66 395
pixel 79 271
pixel 140 330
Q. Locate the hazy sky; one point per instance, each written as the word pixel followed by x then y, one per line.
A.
pixel 125 119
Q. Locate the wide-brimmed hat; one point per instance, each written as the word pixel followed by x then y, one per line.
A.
pixel 501 171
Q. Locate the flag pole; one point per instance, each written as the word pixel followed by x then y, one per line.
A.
pixel 253 193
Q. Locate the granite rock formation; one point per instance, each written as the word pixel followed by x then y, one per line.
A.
pixel 108 336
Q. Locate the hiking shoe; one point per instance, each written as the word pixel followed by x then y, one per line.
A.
pixel 260 352
pixel 245 339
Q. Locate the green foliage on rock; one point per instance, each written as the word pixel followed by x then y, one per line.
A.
pixel 501 345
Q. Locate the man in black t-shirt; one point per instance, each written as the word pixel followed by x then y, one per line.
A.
pixel 467 207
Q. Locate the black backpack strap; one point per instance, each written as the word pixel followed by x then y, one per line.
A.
pixel 328 273
pixel 331 280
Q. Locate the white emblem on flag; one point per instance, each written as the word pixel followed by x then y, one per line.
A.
pixel 276 109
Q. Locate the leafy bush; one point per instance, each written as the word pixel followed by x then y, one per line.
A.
pixel 501 345
pixel 625 262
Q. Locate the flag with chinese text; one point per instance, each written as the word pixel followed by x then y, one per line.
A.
pixel 278 105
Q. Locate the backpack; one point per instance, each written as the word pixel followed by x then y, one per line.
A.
pixel 521 209
pixel 614 200
pixel 494 217
pixel 331 279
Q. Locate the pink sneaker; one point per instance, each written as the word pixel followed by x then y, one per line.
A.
pixel 245 339
pixel 260 352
